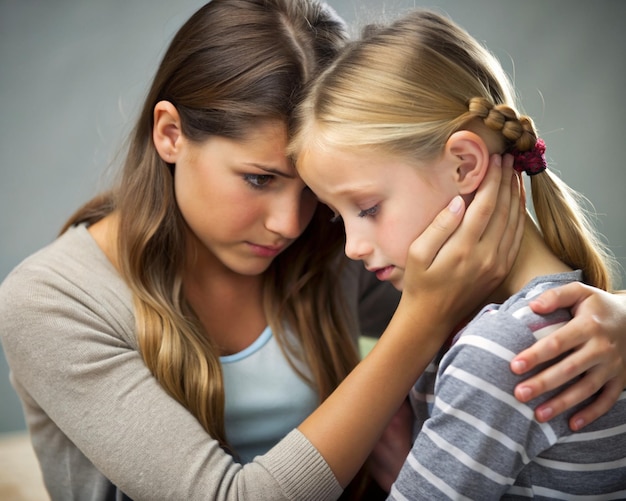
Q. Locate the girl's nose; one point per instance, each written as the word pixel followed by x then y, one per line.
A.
pixel 357 246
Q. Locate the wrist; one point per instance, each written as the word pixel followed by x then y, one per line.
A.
pixel 421 317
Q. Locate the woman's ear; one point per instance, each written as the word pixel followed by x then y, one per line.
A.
pixel 166 132
pixel 470 159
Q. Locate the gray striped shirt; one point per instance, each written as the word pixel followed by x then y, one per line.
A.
pixel 476 441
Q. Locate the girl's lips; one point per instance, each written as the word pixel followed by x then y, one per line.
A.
pixel 383 274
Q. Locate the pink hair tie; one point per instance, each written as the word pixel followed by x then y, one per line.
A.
pixel 532 161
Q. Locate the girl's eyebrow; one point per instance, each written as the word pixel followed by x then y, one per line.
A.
pixel 352 190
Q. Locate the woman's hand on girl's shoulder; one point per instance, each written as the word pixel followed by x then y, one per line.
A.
pixel 596 338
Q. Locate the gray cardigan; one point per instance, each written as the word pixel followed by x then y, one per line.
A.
pixel 99 420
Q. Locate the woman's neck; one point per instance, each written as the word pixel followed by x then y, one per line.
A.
pixel 105 232
pixel 228 305
pixel 534 259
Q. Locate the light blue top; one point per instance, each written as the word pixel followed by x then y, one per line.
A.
pixel 265 397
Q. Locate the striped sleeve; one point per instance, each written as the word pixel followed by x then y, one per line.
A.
pixel 478 436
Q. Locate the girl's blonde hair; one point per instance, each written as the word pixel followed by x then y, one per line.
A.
pixel 233 65
pixel 406 88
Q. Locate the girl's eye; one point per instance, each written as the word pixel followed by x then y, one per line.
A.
pixel 258 181
pixel 371 212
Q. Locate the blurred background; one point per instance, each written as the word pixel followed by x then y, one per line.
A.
pixel 73 75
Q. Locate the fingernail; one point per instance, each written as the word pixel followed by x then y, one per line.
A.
pixel 455 205
pixel 544 414
pixel 498 160
pixel 524 393
pixel 518 366
pixel 578 424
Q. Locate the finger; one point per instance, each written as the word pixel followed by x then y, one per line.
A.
pixel 565 296
pixel 522 212
pixel 514 209
pixel 584 388
pixel 489 194
pixel 601 405
pixel 501 213
pixel 426 247
pixel 568 337
pixel 562 372
pixel 512 237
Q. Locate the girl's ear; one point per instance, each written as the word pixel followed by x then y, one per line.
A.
pixel 470 159
pixel 166 132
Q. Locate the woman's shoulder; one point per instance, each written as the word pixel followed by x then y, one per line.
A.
pixel 71 256
pixel 69 278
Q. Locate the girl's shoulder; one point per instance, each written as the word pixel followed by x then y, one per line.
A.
pixel 513 323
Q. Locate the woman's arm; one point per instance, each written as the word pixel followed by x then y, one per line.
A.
pixel 597 338
pixel 389 454
pixel 346 427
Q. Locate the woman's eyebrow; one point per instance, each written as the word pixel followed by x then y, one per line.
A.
pixel 272 170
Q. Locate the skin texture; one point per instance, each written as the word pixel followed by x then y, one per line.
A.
pixel 385 202
pixel 237 197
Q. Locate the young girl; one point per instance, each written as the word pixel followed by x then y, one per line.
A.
pixel 404 122
pixel 176 340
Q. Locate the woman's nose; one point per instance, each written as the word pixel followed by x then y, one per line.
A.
pixel 290 214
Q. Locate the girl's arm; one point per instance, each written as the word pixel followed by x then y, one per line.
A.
pixel 597 338
pixel 346 427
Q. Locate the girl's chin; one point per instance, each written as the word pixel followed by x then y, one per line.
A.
pixel 398 283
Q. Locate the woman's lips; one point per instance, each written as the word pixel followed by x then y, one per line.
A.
pixel 266 250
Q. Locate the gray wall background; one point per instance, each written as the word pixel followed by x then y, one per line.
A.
pixel 73 74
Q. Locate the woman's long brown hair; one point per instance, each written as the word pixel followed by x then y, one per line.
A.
pixel 233 65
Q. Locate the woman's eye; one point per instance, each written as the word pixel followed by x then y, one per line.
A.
pixel 258 180
pixel 372 211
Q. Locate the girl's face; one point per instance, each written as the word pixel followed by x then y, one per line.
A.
pixel 385 203
pixel 243 200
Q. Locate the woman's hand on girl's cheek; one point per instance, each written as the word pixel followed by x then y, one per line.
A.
pixel 455 264
pixel 596 338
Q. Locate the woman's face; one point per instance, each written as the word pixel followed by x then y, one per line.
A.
pixel 242 200
pixel 385 203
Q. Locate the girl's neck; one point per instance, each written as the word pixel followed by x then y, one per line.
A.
pixel 534 259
